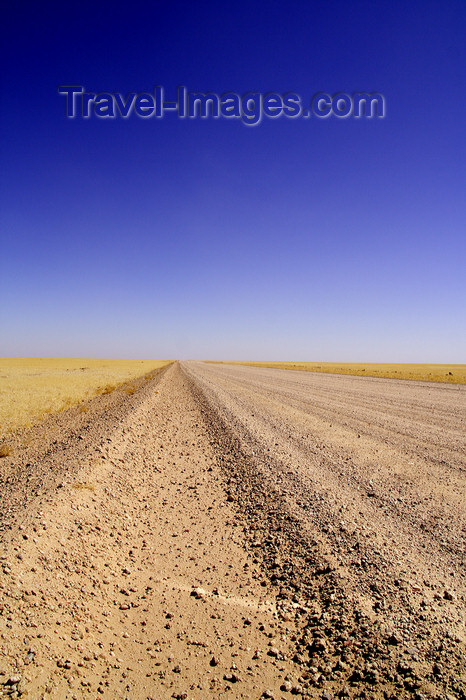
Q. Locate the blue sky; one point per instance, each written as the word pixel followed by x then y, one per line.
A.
pixel 325 240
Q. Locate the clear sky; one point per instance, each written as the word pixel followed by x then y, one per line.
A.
pixel 296 239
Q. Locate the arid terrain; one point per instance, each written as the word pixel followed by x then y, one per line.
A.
pixel 238 532
pixel 33 387
pixel 450 374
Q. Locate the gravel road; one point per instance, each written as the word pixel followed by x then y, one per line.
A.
pixel 373 474
pixel 228 531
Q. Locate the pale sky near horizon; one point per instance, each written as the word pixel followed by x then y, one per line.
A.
pixel 313 240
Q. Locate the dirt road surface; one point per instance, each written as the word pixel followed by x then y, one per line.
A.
pixel 235 532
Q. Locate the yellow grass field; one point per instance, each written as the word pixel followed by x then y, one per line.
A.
pixel 30 388
pixel 452 374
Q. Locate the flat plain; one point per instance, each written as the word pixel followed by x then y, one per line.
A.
pixel 31 388
pixel 451 374
pixel 227 531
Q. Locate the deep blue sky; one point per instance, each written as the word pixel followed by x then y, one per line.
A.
pixel 295 239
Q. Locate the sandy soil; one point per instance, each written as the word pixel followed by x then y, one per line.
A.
pixel 235 532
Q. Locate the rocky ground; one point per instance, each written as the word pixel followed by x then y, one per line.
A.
pixel 228 531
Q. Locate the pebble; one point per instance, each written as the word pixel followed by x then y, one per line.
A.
pixel 198 593
pixel 13 680
pixel 231 677
pixel 413 651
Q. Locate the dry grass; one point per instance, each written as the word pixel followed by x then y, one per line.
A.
pixel 31 388
pixel 5 450
pixel 452 374
pixel 84 485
